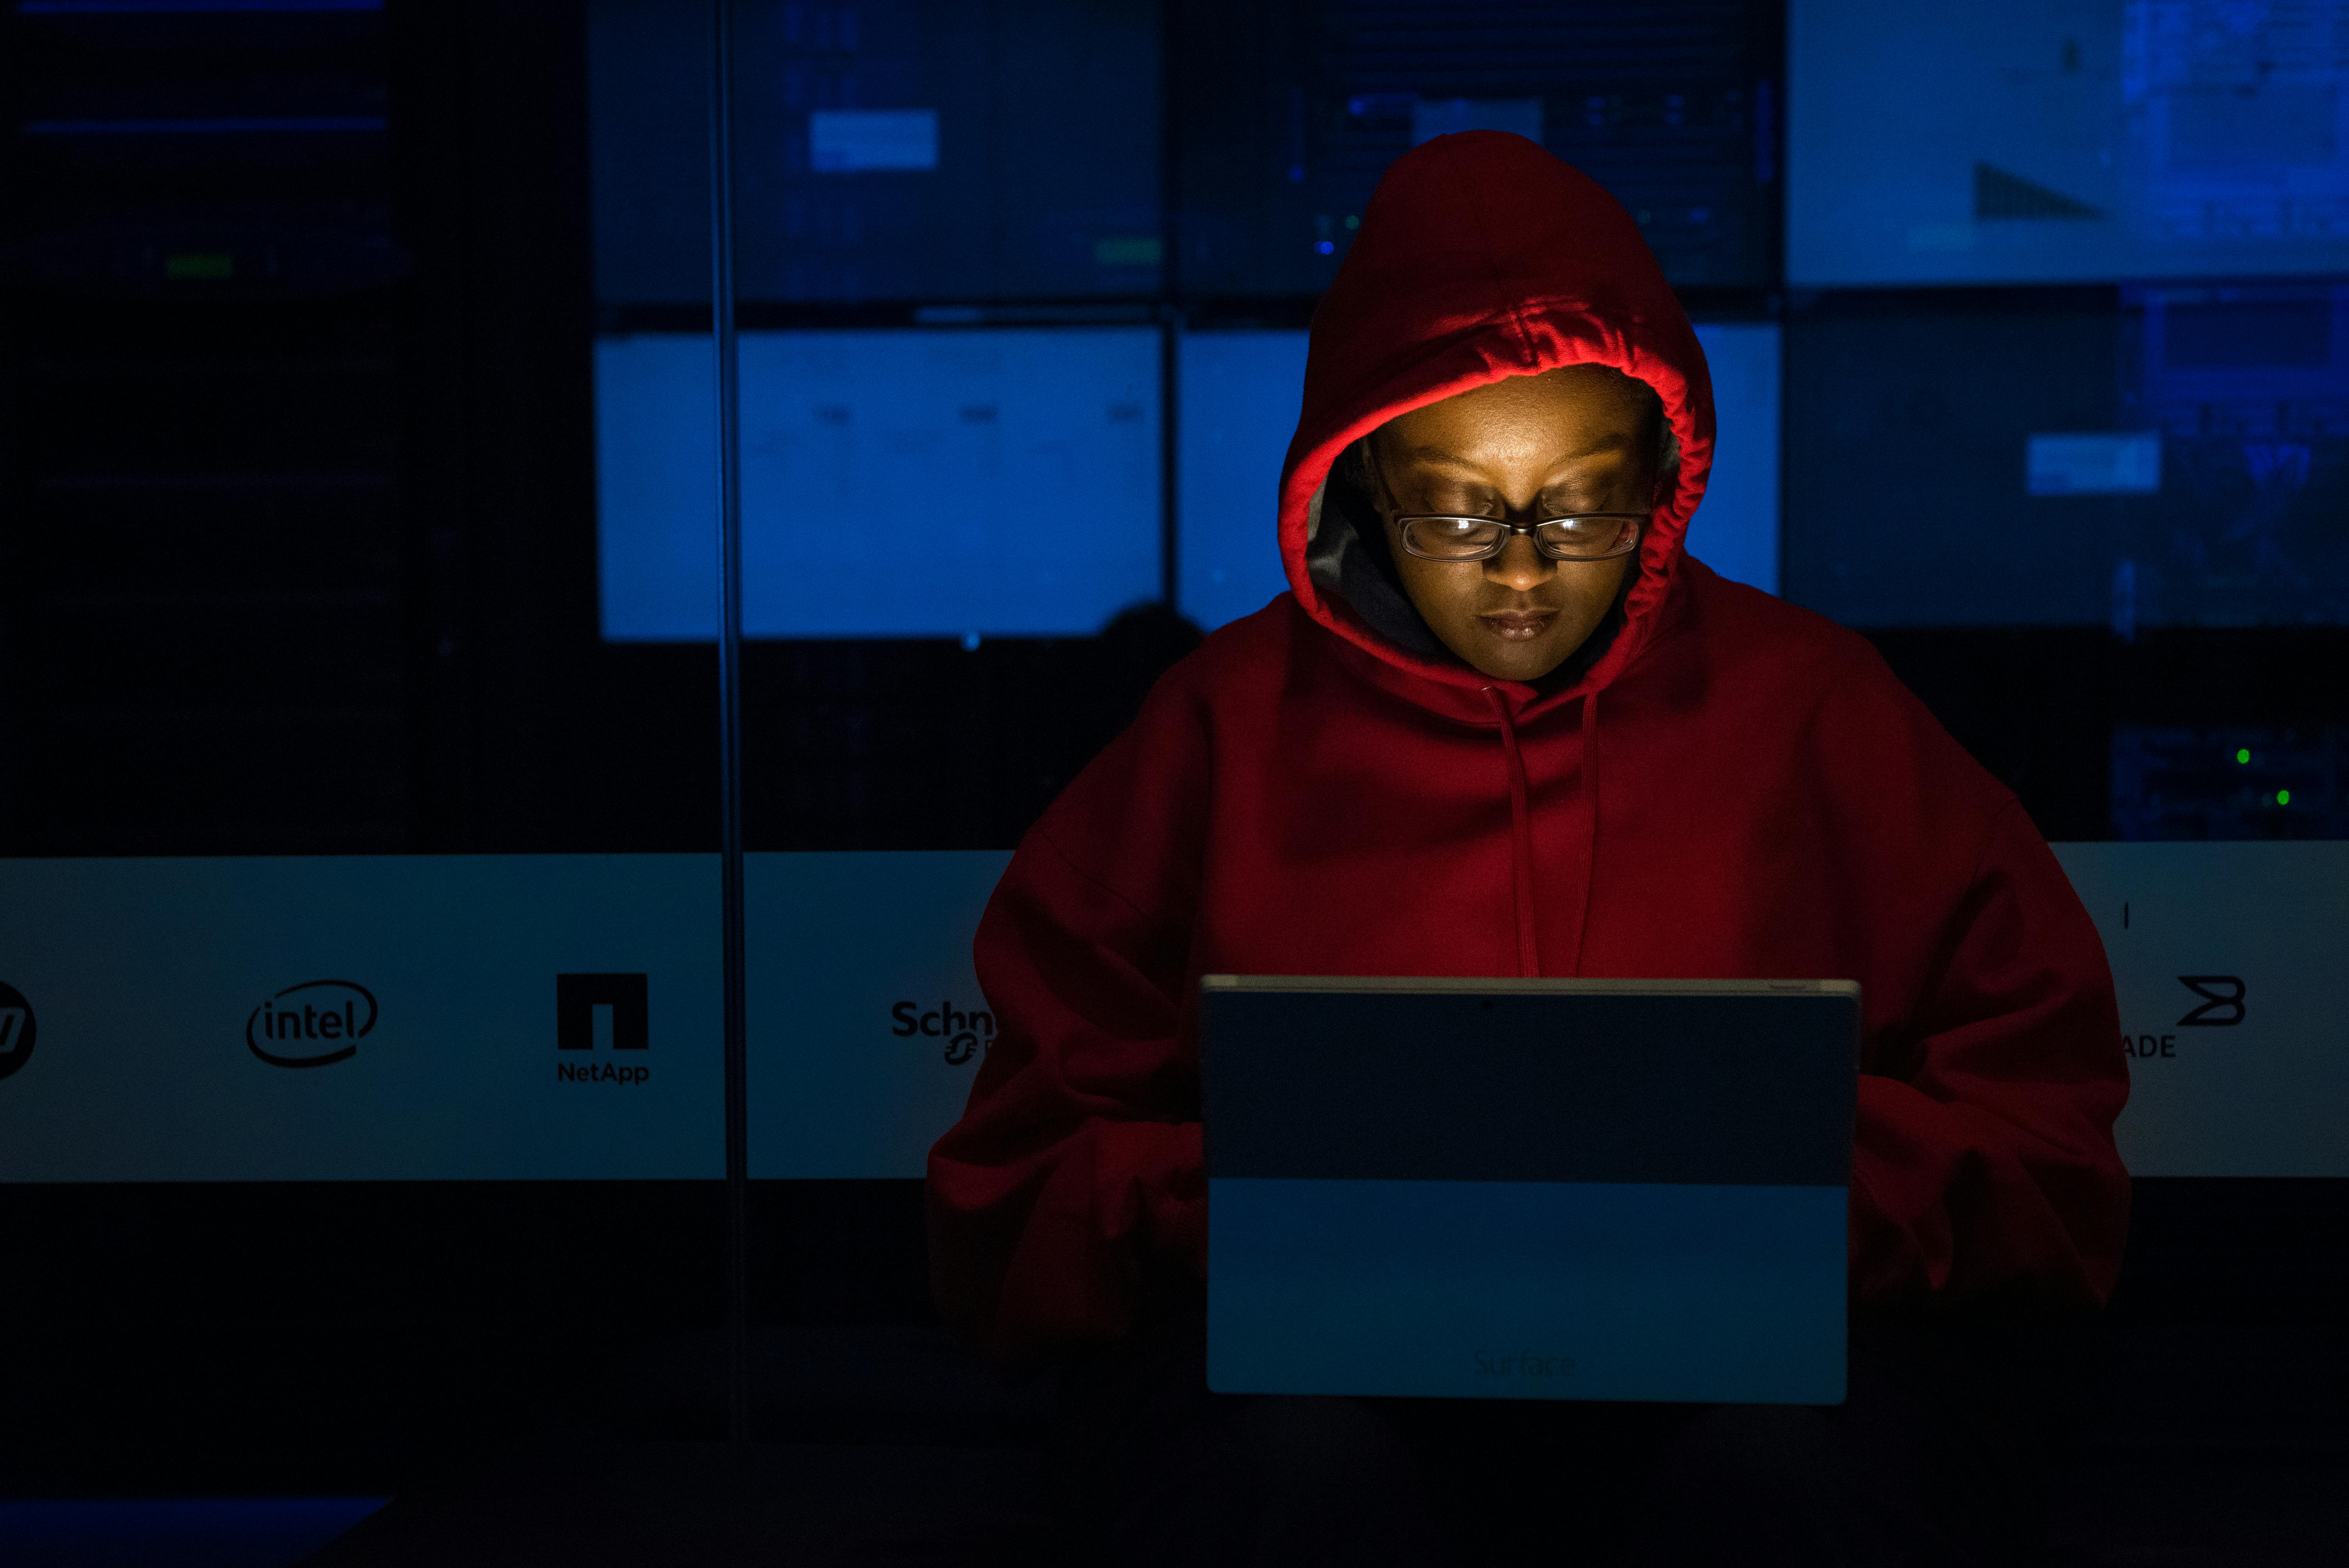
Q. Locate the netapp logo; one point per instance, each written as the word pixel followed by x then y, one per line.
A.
pixel 15 1030
pixel 1524 1364
pixel 618 1007
pixel 964 1033
pixel 333 1016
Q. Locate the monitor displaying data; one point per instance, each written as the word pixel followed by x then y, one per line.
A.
pixel 2058 141
pixel 1005 482
pixel 1287 116
pixel 2181 459
pixel 891 150
pixel 1240 392
pixel 895 483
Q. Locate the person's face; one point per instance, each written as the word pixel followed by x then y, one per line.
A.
pixel 1532 447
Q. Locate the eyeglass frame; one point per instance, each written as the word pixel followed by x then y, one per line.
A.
pixel 1628 542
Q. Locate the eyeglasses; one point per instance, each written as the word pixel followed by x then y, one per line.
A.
pixel 1587 536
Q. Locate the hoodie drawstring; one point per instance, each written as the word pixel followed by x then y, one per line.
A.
pixel 1521 835
pixel 1521 842
pixel 1589 796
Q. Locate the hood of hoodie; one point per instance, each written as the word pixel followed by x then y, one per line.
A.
pixel 1481 257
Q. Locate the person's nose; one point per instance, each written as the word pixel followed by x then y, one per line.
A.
pixel 1521 567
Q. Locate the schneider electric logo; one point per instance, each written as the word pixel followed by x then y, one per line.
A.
pixel 964 1034
pixel 1524 1364
pixel 313 1025
pixel 612 1011
pixel 15 1030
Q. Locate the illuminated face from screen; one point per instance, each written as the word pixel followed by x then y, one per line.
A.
pixel 1579 439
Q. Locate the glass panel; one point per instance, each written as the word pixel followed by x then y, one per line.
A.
pixel 955 371
pixel 359 1072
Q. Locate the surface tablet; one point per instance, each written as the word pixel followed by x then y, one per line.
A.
pixel 1528 1189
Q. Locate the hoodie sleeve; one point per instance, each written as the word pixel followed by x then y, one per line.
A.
pixel 1986 1167
pixel 1074 1184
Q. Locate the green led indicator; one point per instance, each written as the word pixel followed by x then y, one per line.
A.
pixel 2243 755
pixel 2283 797
pixel 214 264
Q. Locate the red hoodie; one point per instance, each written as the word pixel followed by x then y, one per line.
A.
pixel 1734 788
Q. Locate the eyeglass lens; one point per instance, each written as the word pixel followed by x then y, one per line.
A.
pixel 1466 538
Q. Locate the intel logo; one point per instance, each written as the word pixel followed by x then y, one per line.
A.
pixel 313 1025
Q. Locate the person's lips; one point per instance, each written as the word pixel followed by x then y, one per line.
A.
pixel 1518 625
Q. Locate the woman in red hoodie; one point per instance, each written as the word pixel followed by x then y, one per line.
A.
pixel 1502 725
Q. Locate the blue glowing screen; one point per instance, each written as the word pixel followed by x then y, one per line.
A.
pixel 1239 397
pixel 1029 456
pixel 895 483
pixel 1971 461
pixel 899 149
pixel 2053 140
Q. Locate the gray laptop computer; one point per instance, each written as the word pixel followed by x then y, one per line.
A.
pixel 1528 1189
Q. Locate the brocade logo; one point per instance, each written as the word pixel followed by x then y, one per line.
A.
pixel 2223 1000
pixel 2221 1007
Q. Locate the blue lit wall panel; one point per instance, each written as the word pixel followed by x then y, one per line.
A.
pixel 2181 460
pixel 1240 392
pixel 648 151
pixel 1735 531
pixel 911 483
pixel 142 975
pixel 2057 140
pixel 1289 115
pixel 1035 172
pixel 657 487
pixel 168 1046
pixel 895 483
